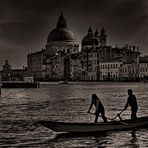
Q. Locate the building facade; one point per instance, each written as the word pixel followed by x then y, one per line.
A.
pixel 36 65
pixel 62 60
pixel 9 74
pixel 129 72
pixel 143 68
pixel 110 70
pixel 54 62
pixel 97 53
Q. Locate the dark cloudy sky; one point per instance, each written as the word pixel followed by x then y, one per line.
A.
pixel 25 24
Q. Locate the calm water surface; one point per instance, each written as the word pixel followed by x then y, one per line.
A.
pixel 20 108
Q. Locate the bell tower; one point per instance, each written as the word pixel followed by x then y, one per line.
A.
pixel 103 38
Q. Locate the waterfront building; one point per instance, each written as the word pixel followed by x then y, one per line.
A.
pixel 78 68
pixel 129 72
pixel 9 74
pixel 110 70
pixel 36 65
pixel 96 51
pixel 143 68
pixel 55 68
pixel 62 60
pixel 93 66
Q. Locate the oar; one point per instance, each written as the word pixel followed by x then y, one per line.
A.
pixel 110 118
pixel 118 114
pixel 101 116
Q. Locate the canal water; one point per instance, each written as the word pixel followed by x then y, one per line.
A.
pixel 21 108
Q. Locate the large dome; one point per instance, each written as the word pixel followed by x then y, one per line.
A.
pixel 61 33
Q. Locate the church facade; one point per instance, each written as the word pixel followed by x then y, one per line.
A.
pixel 102 62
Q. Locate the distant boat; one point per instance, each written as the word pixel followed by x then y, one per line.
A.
pixel 63 82
pixel 70 127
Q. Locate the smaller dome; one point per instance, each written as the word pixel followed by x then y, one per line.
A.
pixel 90 41
pixel 90 38
pixel 87 40
pixel 96 41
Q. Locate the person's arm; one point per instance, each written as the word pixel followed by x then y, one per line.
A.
pixel 90 106
pixel 126 105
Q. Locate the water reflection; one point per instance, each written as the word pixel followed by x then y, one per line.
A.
pixel 80 139
pixel 132 140
pixel 102 139
pixel 73 135
pixel 105 139
pixel 133 137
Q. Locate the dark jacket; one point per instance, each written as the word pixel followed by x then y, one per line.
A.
pixel 132 102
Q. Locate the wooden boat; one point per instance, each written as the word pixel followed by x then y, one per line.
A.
pixel 63 82
pixel 95 127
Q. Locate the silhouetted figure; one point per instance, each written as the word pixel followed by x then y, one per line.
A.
pixel 132 102
pixel 99 108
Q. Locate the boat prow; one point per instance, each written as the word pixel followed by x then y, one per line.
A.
pixel 70 127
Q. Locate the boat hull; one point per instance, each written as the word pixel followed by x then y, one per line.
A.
pixel 94 127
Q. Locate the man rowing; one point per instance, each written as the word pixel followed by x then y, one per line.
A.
pixel 99 108
pixel 132 102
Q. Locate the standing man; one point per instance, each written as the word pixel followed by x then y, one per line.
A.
pixel 132 102
pixel 99 108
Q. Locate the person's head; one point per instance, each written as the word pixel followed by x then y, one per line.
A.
pixel 94 96
pixel 130 92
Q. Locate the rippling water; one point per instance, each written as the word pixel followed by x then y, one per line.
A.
pixel 20 108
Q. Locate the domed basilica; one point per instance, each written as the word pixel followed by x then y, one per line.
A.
pixel 62 60
pixel 53 62
pixel 61 39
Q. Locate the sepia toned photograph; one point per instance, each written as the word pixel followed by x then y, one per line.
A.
pixel 73 73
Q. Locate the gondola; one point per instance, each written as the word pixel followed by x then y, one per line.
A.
pixel 71 127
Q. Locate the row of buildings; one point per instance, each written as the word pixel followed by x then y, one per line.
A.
pixel 61 58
